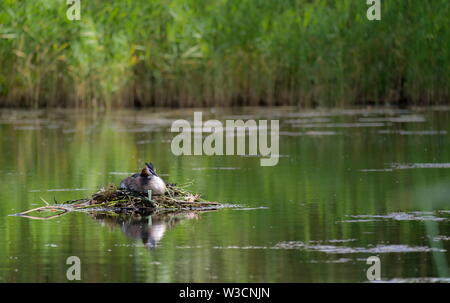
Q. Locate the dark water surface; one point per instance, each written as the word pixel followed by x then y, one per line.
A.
pixel 349 184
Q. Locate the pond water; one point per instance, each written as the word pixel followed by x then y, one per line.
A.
pixel 349 184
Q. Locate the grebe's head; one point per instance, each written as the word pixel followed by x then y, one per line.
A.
pixel 145 172
pixel 151 169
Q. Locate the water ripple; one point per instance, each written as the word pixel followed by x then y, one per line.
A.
pixel 333 249
pixel 398 216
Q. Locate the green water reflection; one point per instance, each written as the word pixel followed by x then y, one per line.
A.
pixel 349 184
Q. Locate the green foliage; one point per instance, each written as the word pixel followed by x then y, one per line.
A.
pixel 223 52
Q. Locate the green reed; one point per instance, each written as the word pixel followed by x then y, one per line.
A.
pixel 223 52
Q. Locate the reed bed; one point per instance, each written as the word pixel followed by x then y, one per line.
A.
pixel 184 53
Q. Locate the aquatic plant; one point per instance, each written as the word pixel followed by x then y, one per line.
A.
pixel 223 52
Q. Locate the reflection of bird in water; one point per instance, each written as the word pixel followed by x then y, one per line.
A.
pixel 150 229
pixel 145 181
pixel 154 235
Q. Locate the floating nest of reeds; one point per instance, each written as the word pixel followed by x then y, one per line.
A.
pixel 111 198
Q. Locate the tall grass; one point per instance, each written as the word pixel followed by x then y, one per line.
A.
pixel 223 52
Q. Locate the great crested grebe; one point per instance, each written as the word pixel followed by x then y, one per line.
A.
pixel 145 181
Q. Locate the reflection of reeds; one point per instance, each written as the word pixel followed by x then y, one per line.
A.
pixel 203 52
pixel 306 195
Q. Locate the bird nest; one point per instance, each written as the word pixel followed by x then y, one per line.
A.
pixel 111 198
pixel 174 197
